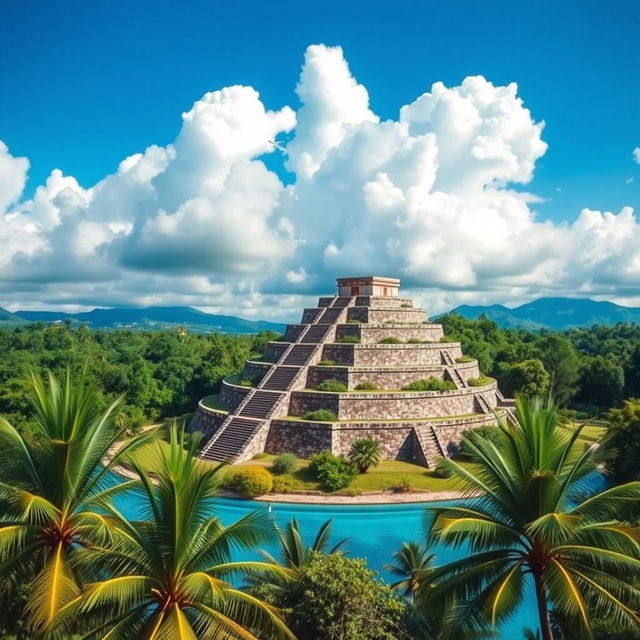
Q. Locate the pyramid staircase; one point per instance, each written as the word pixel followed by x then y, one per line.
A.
pixel 429 445
pixel 251 418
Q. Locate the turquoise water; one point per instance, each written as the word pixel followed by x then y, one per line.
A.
pixel 374 532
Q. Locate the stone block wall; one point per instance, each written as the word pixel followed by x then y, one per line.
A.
pixel 316 375
pixel 450 434
pixel 293 331
pixel 206 421
pixel 303 439
pixel 397 441
pixel 390 354
pixel 379 316
pixel 372 334
pixel 395 406
pixel 309 315
pixel 231 395
pixel 380 302
pixel 304 401
pixel 275 350
pixel 253 369
pixel 393 378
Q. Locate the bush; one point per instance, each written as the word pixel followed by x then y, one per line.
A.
pixel 348 340
pixel 403 486
pixel 441 470
pixel 367 386
pixel 494 434
pixel 249 382
pixel 281 485
pixel 251 481
pixel 480 381
pixel 354 321
pixel 406 305
pixel 332 385
pixel 430 384
pixel 332 472
pixel 390 340
pixel 327 363
pixel 284 463
pixel 446 338
pixel 462 359
pixel 321 415
pixel 416 341
pixel 365 453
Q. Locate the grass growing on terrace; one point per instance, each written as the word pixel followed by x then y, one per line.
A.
pixel 387 475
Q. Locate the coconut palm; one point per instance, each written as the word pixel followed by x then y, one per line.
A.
pixel 295 554
pixel 167 575
pixel 412 566
pixel 48 484
pixel 530 526
pixel 365 453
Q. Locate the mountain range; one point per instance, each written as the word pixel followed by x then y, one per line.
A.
pixel 545 313
pixel 145 319
pixel 553 314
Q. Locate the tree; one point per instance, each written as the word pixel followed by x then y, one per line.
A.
pixel 48 486
pixel 601 381
pixel 561 361
pixel 364 454
pixel 413 567
pixel 295 554
pixel 528 378
pixel 527 522
pixel 623 436
pixel 165 576
pixel 337 598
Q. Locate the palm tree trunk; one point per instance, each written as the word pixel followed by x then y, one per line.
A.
pixel 543 611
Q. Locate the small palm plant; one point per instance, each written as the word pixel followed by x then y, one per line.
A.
pixel 364 454
pixel 165 577
pixel 295 553
pixel 530 521
pixel 48 485
pixel 413 565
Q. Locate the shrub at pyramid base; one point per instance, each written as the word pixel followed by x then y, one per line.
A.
pixel 364 363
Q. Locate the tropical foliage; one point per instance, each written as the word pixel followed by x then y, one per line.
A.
pixel 167 576
pixel 531 520
pixel 413 566
pixel 49 488
pixel 295 554
pixel 334 597
pixel 364 454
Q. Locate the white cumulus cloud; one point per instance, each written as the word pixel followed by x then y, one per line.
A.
pixel 433 196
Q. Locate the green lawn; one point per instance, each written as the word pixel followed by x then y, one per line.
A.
pixel 386 476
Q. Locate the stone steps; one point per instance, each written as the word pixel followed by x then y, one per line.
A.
pixel 299 355
pixel 315 334
pixel 281 378
pixel 231 440
pixel 260 404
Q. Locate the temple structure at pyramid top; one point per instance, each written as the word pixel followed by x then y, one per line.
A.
pixel 377 367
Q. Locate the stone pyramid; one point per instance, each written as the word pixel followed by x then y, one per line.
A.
pixel 367 337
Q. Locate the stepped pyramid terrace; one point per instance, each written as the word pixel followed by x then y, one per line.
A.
pixel 355 356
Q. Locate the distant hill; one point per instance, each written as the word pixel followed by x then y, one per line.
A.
pixel 8 318
pixel 153 318
pixel 554 313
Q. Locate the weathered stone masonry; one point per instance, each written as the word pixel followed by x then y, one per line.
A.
pixel 418 426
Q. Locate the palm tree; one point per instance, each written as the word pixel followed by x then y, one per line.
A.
pixel 365 453
pixel 295 554
pixel 413 567
pixel 530 526
pixel 165 577
pixel 48 484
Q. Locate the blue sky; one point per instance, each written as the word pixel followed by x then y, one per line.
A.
pixel 85 85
